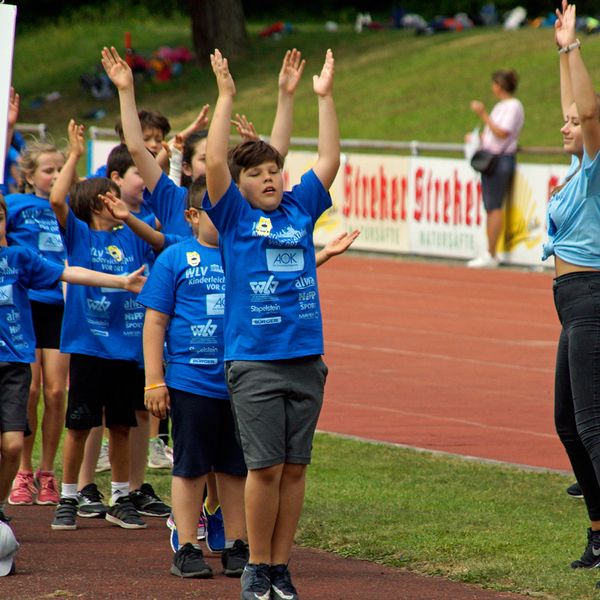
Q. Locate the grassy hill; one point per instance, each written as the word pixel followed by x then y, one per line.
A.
pixel 389 84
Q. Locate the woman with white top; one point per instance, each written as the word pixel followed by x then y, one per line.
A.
pixel 500 136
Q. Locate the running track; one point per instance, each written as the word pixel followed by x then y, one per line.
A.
pixel 441 357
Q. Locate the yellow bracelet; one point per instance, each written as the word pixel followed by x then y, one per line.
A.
pixel 154 386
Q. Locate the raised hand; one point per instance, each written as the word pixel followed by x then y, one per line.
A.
pixel 118 71
pixel 323 83
pixel 198 124
pixel 116 207
pixel 224 79
pixel 14 102
pixel 76 141
pixel 477 107
pixel 291 71
pixel 341 243
pixel 134 282
pixel 245 128
pixel 564 27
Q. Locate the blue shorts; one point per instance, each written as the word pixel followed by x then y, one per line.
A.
pixel 203 435
pixel 496 186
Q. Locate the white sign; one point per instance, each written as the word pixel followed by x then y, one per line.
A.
pixel 8 17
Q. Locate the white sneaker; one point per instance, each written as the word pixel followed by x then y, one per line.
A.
pixel 485 261
pixel 103 463
pixel 157 456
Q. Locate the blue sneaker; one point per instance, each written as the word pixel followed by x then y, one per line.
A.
pixel 174 536
pixel 215 530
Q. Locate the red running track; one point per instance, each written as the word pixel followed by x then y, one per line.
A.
pixel 441 357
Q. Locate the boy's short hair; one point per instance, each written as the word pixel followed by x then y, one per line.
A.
pixel 251 154
pixel 196 193
pixel 84 196
pixel 149 119
pixel 119 160
pixel 3 207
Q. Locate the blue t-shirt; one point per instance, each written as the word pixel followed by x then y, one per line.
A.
pixel 20 270
pixel 167 202
pixel 31 223
pixel 102 322
pixel 187 283
pixel 272 308
pixel 573 216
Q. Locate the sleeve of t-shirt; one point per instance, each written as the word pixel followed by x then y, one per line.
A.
pixel 76 235
pixel 225 214
pixel 167 201
pixel 171 239
pixel 40 273
pixel 158 292
pixel 510 117
pixel 591 171
pixel 311 195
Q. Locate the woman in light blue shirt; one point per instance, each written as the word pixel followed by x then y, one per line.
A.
pixel 574 241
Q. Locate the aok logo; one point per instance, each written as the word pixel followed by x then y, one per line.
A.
pixel 264 287
pixel 285 260
pixel 215 304
pixel 6 294
pixel 101 305
pixel 207 330
pixel 304 282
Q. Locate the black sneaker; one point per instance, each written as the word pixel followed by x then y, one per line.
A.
pixel 147 503
pixel 189 562
pixel 123 514
pixel 281 583
pixel 234 559
pixel 3 516
pixel 591 555
pixel 65 515
pixel 255 581
pixel 90 502
pixel 575 491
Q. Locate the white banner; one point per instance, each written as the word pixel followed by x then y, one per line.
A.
pixel 8 17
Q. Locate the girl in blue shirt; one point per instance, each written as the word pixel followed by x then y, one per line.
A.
pixel 574 241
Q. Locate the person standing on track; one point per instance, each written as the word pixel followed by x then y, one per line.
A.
pixel 574 240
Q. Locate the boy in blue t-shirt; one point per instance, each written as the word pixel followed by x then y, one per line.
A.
pixel 21 269
pixel 273 329
pixel 102 332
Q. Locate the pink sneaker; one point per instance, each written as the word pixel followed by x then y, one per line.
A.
pixel 47 488
pixel 23 489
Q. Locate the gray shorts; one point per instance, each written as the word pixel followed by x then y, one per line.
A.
pixel 276 405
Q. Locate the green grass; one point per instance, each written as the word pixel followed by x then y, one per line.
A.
pixel 389 84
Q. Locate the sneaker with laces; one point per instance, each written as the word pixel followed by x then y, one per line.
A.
pixel 574 491
pixel 281 583
pixel 485 261
pixel 157 455
pixel 189 562
pixel 90 502
pixel 215 530
pixel 234 559
pixel 201 533
pixel 591 555
pixel 124 514
pixel 255 582
pixel 174 536
pixel 103 463
pixel 65 515
pixel 23 490
pixel 47 488
pixel 147 502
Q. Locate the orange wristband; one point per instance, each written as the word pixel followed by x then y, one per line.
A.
pixel 154 386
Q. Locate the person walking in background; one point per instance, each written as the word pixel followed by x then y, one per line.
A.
pixel 573 222
pixel 500 136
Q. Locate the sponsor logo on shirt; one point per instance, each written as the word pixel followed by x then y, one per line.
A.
pixel 204 361
pixel 193 258
pixel 115 252
pixel 207 330
pixel 263 227
pixel 304 282
pixel 285 260
pixel 6 294
pixel 215 304
pixel 266 321
pixel 5 269
pixel 13 316
pixel 265 288
pixel 99 306
pixel 50 242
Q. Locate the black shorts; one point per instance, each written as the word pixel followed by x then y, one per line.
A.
pixel 47 323
pixel 102 386
pixel 204 437
pixel 15 379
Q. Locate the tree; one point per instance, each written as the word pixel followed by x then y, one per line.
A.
pixel 218 24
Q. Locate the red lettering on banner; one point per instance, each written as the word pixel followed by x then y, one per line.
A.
pixel 447 201
pixel 347 206
pixel 418 212
pixel 436 202
pixel 383 196
pixel 457 216
pixel 404 195
pixel 365 195
pixel 373 197
pixel 479 199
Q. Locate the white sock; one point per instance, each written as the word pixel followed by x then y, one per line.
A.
pixel 118 489
pixel 68 490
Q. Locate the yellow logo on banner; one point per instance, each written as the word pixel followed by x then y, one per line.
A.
pixel 263 227
pixel 115 252
pixel 193 259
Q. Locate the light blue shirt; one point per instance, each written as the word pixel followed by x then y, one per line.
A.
pixel 573 217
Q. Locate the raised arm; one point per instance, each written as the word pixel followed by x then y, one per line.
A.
pixel 13 114
pixel 336 246
pixel 156 395
pixel 566 92
pixel 121 75
pixel 218 177
pixel 289 77
pixel 328 162
pixel 119 210
pixel 134 282
pixel 579 78
pixel 479 109
pixel 68 174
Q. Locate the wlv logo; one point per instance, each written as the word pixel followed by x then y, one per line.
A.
pixel 101 305
pixel 264 287
pixel 206 330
